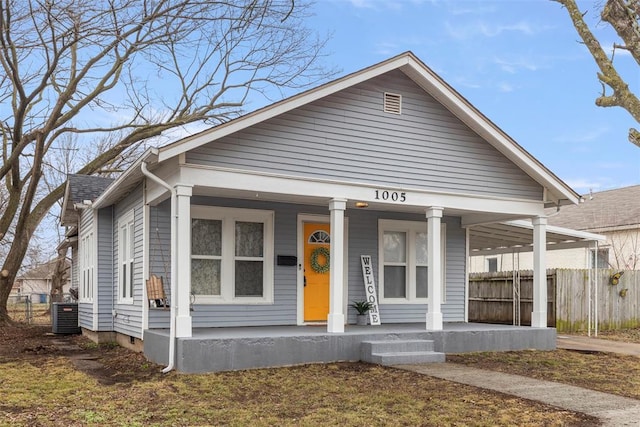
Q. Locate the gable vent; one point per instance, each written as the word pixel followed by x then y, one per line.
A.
pixel 392 103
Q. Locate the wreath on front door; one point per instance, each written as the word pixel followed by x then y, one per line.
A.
pixel 316 255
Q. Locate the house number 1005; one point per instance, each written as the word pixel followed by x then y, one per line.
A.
pixel 394 196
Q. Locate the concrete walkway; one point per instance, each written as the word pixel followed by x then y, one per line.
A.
pixel 585 343
pixel 611 409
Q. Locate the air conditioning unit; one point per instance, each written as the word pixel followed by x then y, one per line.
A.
pixel 64 317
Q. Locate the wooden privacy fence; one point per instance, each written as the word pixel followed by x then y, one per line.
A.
pixel 492 296
pixel 573 303
pixel 617 305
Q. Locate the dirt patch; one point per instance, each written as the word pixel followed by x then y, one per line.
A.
pixel 107 363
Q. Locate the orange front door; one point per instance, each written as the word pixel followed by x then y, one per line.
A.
pixel 316 272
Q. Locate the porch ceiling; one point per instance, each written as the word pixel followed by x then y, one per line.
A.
pixel 517 236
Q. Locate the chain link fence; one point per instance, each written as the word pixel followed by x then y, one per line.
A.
pixel 33 309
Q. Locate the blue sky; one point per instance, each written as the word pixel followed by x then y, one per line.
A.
pixel 518 61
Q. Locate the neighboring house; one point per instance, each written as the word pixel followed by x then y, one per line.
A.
pixel 262 221
pixel 614 214
pixel 37 281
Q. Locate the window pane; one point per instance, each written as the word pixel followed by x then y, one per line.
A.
pixel 206 237
pixel 205 276
pixel 395 282
pixel 395 246
pixel 249 278
pixel 421 282
pixel 421 249
pixel 249 239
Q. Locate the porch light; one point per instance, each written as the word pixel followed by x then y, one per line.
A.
pixel 362 205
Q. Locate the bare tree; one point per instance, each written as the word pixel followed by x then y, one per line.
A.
pixel 623 17
pixel 120 72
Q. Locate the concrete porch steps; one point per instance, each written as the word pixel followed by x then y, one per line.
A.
pixel 400 352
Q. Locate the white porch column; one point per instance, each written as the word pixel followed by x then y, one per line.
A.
pixel 539 314
pixel 434 272
pixel 335 321
pixel 183 254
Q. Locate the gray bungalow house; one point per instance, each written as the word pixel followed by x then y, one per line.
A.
pixel 257 228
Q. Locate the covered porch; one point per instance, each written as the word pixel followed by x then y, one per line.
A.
pixel 226 349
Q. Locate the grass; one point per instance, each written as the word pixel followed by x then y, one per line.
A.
pixel 336 394
pixel 44 386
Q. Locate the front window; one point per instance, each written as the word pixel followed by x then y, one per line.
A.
pixel 404 262
pixel 231 255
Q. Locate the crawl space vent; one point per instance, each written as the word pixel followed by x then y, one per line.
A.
pixel 392 103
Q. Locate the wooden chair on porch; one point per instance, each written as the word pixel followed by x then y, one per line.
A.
pixel 155 292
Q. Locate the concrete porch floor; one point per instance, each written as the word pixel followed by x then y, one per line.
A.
pixel 225 349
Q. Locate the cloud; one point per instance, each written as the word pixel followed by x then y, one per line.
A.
pixel 386 48
pixel 490 30
pixel 505 87
pixel 378 4
pixel 584 185
pixel 514 65
pixel 582 136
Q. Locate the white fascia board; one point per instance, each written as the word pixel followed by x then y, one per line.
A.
pixel 63 211
pixel 577 234
pixel 327 189
pixel 116 185
pixel 462 109
pixel 209 135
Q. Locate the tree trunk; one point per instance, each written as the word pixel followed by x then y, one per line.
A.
pixel 10 270
pixel 59 277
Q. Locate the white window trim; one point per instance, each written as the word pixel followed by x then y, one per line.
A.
pixel 229 216
pixel 488 263
pixel 411 228
pixel 86 266
pixel 126 248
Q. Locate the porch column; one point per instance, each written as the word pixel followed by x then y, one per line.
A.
pixel 335 321
pixel 539 314
pixel 183 254
pixel 434 270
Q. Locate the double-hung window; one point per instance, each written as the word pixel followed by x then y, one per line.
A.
pixel 86 252
pixel 126 248
pixel 231 255
pixel 404 261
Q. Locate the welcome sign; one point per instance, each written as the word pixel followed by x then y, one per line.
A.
pixel 370 289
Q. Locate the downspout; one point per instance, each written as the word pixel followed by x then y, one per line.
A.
pixel 172 322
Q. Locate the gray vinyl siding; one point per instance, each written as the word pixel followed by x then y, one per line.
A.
pixel 104 260
pixel 346 136
pixel 362 240
pixel 160 257
pixel 85 309
pixel 128 320
pixel 283 311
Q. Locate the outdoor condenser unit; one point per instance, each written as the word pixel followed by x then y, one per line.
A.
pixel 64 317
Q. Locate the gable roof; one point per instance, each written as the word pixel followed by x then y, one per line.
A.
pixel 42 271
pixel 410 65
pixel 602 211
pixel 80 188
